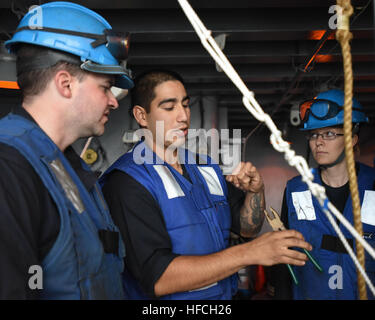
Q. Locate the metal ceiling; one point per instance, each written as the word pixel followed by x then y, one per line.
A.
pixel 269 42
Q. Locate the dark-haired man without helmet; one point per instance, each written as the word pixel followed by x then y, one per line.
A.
pixel 322 119
pixel 176 215
pixel 57 239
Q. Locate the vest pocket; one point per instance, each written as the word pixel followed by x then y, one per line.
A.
pixel 210 292
pixel 106 284
pixel 224 218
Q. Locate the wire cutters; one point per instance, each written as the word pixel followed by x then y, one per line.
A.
pixel 277 225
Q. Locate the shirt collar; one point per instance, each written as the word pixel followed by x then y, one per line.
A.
pixel 20 111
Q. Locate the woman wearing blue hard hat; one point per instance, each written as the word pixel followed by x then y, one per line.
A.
pixel 57 238
pixel 322 119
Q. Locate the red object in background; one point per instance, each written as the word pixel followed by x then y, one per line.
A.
pixel 260 279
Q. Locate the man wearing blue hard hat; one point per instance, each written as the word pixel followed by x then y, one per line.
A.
pixel 57 239
pixel 322 119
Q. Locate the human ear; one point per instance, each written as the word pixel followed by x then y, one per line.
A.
pixel 355 140
pixel 63 81
pixel 139 114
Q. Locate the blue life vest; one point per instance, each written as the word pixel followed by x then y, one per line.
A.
pixel 339 279
pixel 197 214
pixel 78 265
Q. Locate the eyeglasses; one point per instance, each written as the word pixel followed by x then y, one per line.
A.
pixel 321 109
pixel 327 135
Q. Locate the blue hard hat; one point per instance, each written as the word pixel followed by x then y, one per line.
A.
pixel 326 110
pixel 74 29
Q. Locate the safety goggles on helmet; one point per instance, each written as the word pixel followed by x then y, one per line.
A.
pixel 116 42
pixel 321 109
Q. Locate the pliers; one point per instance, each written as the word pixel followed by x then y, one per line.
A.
pixel 277 225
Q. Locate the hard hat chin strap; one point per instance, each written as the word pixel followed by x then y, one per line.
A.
pixel 340 158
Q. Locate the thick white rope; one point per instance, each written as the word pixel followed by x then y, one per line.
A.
pixel 276 139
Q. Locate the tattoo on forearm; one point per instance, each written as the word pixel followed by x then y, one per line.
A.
pixel 252 215
pixel 257 209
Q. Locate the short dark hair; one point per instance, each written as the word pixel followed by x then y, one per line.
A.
pixel 144 86
pixel 33 82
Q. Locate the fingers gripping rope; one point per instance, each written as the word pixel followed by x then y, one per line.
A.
pixel 278 143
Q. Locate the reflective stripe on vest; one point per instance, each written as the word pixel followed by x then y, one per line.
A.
pixel 368 208
pixel 174 190
pixel 212 180
pixel 302 202
pixel 171 186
